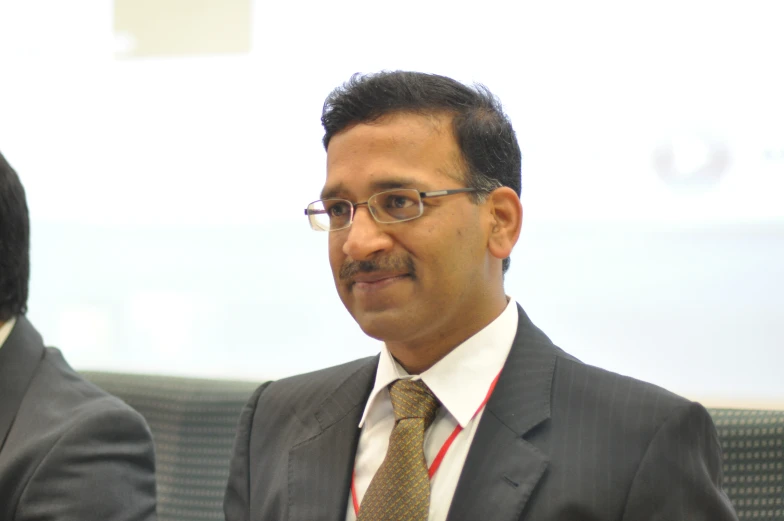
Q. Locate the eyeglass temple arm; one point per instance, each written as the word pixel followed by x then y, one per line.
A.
pixel 439 193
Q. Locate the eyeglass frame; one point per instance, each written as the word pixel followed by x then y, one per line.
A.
pixel 353 206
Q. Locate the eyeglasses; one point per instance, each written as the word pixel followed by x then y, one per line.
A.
pixel 391 206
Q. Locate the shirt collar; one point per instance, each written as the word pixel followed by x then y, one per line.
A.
pixel 5 330
pixel 462 379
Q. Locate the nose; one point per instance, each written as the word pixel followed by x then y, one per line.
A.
pixel 365 236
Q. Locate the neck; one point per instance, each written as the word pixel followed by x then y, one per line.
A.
pixel 418 356
pixel 417 362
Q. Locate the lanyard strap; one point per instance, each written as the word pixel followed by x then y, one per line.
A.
pixel 441 453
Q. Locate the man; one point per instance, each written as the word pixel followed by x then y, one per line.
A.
pixel 68 451
pixel 469 412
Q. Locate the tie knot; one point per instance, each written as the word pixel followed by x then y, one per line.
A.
pixel 413 399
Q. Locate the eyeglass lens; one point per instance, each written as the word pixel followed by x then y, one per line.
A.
pixel 386 207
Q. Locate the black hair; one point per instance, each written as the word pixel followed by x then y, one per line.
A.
pixel 14 244
pixel 483 132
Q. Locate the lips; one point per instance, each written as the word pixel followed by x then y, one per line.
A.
pixel 375 277
pixel 370 283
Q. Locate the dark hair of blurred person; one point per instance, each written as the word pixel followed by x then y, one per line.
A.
pixel 14 244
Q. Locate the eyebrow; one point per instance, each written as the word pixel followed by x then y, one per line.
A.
pixel 339 190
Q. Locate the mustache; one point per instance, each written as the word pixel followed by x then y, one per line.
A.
pixel 394 264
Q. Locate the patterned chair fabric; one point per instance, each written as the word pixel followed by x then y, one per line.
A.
pixel 193 423
pixel 753 445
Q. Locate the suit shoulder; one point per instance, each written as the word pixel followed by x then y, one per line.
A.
pixel 65 398
pixel 315 385
pixel 302 394
pixel 60 414
pixel 604 390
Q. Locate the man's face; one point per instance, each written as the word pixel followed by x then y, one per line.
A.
pixel 416 282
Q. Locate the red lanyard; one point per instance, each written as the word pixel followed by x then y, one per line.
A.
pixel 441 453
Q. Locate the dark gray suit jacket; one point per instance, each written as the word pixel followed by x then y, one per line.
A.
pixel 559 440
pixel 68 451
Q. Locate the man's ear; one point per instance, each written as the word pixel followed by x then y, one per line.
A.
pixel 506 220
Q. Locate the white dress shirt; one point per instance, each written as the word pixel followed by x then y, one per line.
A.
pixel 460 381
pixel 5 330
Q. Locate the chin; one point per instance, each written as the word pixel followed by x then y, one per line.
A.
pixel 382 325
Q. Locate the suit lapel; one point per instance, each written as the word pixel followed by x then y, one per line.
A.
pixel 19 358
pixel 502 469
pixel 320 467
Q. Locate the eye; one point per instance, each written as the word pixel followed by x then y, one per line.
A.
pixel 398 202
pixel 336 208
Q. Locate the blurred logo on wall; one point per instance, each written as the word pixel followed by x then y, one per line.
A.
pixel 694 162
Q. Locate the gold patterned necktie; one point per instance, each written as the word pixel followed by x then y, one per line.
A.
pixel 400 490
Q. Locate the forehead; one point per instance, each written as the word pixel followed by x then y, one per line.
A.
pixel 400 149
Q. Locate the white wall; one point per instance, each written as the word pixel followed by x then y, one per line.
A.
pixel 166 194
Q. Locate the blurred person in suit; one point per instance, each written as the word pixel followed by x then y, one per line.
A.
pixel 68 450
pixel 469 412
